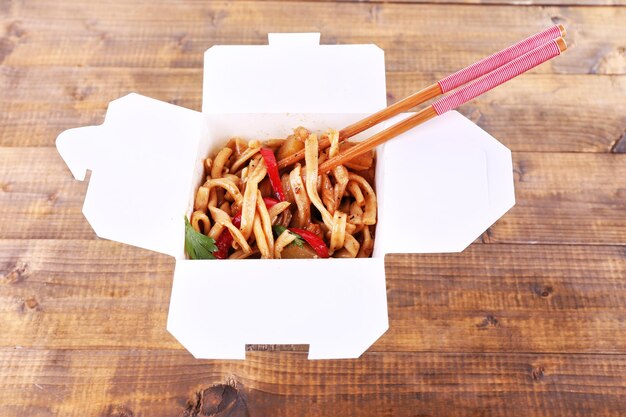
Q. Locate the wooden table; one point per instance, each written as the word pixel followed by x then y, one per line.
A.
pixel 529 320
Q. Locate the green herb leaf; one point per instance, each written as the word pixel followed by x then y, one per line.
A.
pixel 278 230
pixel 197 245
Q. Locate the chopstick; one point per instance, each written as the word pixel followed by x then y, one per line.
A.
pixel 499 76
pixel 459 78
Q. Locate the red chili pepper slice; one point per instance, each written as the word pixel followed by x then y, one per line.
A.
pixel 223 243
pixel 269 202
pixel 237 219
pixel 316 243
pixel 225 240
pixel 272 172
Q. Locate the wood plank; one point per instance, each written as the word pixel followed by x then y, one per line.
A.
pixel 566 198
pixel 561 198
pixel 495 2
pixel 158 383
pixel 80 96
pixel 516 114
pixel 39 197
pixel 508 298
pixel 541 112
pixel 416 38
pixel 70 294
pixel 93 293
pixel 520 328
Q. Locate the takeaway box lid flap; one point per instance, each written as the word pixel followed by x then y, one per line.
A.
pixel 445 182
pixel 142 161
pixel 338 306
pixel 294 74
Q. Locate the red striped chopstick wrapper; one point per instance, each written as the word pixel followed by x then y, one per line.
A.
pixel 486 65
pixel 499 76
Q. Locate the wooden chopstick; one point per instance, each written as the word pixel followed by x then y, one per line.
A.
pixel 443 86
pixel 408 103
pixel 493 79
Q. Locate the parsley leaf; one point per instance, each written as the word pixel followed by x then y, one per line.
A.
pixel 278 230
pixel 197 245
pixel 298 241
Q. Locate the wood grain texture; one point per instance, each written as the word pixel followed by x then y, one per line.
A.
pixel 79 96
pixel 79 93
pixel 159 383
pixel 566 198
pixel 39 196
pixel 416 38
pixel 71 294
pixel 529 321
pixel 562 198
pixel 495 2
pixel 501 297
pixel 542 112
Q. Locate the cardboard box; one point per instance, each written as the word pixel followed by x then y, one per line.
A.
pixel 439 187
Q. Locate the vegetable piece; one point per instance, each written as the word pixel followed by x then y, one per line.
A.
pixel 292 145
pixel 297 252
pixel 278 230
pixel 290 245
pixel 269 202
pixel 361 162
pixel 284 181
pixel 225 240
pixel 272 172
pixel 316 243
pixel 266 188
pixel 197 245
pixel 283 240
